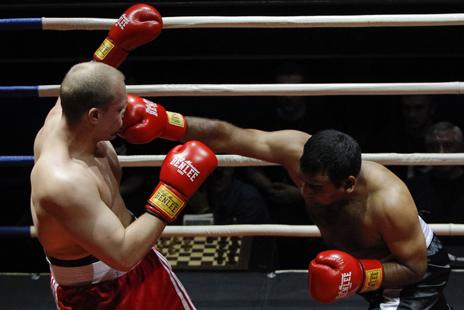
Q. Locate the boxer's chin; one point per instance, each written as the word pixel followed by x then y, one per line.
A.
pixel 113 136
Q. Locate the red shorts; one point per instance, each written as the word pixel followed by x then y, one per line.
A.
pixel 150 285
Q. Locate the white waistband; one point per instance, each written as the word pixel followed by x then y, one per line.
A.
pixel 427 231
pixel 82 275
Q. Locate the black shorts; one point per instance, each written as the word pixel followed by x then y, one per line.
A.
pixel 424 295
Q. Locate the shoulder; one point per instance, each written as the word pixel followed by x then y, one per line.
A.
pixel 47 133
pixel 61 182
pixel 289 144
pixel 389 196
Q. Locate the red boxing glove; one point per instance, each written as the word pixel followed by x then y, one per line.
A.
pixel 138 25
pixel 184 169
pixel 335 274
pixel 145 121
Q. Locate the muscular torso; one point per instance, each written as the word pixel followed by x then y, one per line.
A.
pixel 349 227
pixel 353 225
pixel 51 151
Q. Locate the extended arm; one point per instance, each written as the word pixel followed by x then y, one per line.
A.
pixel 282 147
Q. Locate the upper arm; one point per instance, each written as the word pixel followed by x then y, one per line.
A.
pixel 281 147
pixel 401 230
pixel 74 200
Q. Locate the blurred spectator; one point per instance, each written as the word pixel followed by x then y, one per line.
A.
pixel 307 114
pixel 438 191
pixel 417 113
pixel 286 206
pixel 233 201
pixel 284 200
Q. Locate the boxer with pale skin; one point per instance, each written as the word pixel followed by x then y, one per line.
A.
pixel 379 246
pixel 100 256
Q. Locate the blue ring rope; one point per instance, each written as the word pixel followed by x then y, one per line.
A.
pixel 16 160
pixel 19 91
pixel 33 23
pixel 15 231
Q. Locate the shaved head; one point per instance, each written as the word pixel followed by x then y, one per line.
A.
pixel 88 85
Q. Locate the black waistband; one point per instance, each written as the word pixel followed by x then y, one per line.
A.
pixel 73 262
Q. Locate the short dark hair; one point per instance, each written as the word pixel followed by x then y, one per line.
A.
pixel 333 153
pixel 87 85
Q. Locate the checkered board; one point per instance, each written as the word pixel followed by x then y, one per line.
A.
pixel 216 253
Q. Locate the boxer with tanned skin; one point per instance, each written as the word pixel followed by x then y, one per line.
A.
pixel 379 246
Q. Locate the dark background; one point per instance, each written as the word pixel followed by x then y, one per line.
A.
pixel 331 55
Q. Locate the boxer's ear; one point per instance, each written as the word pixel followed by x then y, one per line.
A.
pixel 94 115
pixel 349 184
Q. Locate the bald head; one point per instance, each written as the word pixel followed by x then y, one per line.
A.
pixel 88 85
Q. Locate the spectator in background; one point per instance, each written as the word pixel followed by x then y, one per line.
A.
pixel 438 190
pixel 417 113
pixel 308 114
pixel 233 201
pixel 280 193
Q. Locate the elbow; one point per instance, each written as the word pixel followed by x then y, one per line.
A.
pixel 421 272
pixel 124 268
pixel 122 263
pixel 416 277
pixel 418 272
pixel 220 136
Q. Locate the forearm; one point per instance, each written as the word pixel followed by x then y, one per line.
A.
pixel 398 275
pixel 135 242
pixel 168 198
pixel 215 133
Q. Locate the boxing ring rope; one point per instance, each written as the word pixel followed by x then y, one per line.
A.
pixel 299 89
pixel 200 22
pixel 400 159
pixel 237 230
pixel 401 20
pixel 410 159
pixel 448 229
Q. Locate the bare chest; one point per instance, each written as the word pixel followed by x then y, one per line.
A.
pixel 106 177
pixel 349 228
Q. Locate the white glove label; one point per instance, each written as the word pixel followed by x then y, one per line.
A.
pixel 185 168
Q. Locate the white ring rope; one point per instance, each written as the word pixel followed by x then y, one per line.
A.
pixel 157 160
pixel 448 229
pixel 399 20
pixel 332 89
pixel 412 159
